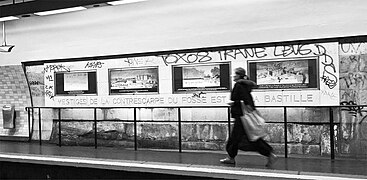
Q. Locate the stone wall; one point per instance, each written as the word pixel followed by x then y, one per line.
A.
pixel 302 138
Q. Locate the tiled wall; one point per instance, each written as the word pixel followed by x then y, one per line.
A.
pixel 14 91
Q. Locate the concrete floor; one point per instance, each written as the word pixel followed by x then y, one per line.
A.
pixel 198 163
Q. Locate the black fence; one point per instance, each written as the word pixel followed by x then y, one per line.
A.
pixel 331 109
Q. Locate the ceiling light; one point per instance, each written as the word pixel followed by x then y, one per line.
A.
pixel 4 47
pixel 58 11
pixel 124 2
pixel 8 18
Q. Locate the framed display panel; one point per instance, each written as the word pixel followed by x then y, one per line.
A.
pixel 74 83
pixel 133 80
pixel 201 77
pixel 285 73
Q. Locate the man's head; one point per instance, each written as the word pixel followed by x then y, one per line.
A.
pixel 240 72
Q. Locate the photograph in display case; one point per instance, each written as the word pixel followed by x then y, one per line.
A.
pixel 134 80
pixel 203 77
pixel 284 74
pixel 74 83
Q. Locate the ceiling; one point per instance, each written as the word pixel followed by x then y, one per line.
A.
pixel 8 2
pixel 27 7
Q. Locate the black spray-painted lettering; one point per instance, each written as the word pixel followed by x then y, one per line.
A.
pixel 285 51
pixel 94 64
pixel 351 47
pixel 197 94
pixel 244 53
pixel 49 78
pixel 59 67
pixel 49 94
pixel 33 83
pixel 328 75
pixel 186 58
pixel 138 61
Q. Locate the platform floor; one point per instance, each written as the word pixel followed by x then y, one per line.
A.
pixel 190 163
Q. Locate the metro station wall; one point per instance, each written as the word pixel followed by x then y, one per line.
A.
pixel 325 94
pixel 103 31
pixel 303 138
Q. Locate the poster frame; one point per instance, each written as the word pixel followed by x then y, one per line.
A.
pixel 313 82
pixel 92 83
pixel 154 90
pixel 225 82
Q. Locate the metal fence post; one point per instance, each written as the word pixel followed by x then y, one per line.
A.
pixel 95 128
pixel 39 126
pixel 179 131
pixel 332 147
pixel 285 133
pixel 229 121
pixel 135 131
pixel 59 127
pixel 29 125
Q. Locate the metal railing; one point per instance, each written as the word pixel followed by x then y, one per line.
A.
pixel 331 123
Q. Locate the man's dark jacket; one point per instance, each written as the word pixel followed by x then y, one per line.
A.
pixel 242 91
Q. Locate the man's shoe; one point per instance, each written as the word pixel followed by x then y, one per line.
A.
pixel 228 160
pixel 271 160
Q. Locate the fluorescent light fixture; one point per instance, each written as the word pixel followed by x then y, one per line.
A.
pixel 58 11
pixel 124 2
pixel 6 48
pixel 8 18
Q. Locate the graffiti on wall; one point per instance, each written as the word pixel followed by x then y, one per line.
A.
pixel 49 78
pixel 35 77
pixel 353 48
pixel 354 110
pixel 353 81
pixel 93 65
pixel 139 61
pixel 329 71
pixel 56 67
pixel 189 58
pixel 328 77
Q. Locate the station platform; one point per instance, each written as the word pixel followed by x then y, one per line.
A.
pixel 53 162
